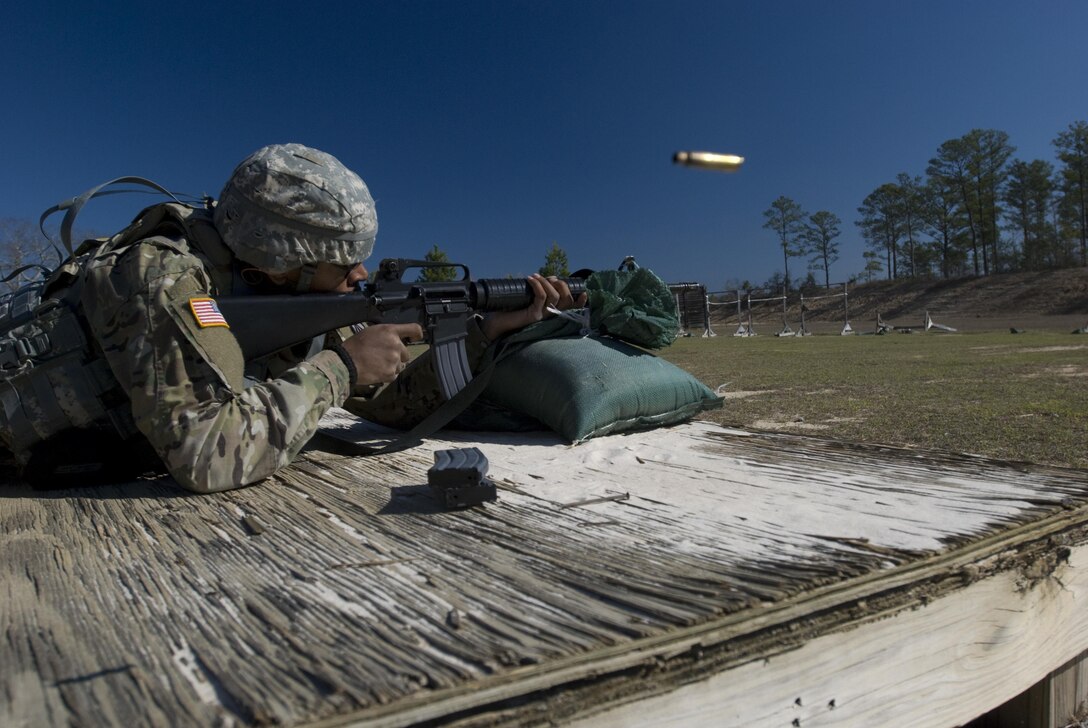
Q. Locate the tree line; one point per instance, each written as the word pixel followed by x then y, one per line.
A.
pixel 799 234
pixel 976 211
pixel 555 264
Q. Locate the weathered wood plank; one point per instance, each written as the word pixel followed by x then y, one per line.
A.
pixel 357 598
pixel 1069 691
pixel 1057 701
pixel 937 665
pixel 658 664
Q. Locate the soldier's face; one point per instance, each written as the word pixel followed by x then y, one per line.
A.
pixel 330 278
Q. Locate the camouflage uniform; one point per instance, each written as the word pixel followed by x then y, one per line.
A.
pixel 186 382
pixel 185 378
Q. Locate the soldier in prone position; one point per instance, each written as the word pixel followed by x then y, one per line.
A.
pixel 289 218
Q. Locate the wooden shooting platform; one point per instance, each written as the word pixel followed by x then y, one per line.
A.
pixel 690 576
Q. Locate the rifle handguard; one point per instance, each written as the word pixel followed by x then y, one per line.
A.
pixel 510 294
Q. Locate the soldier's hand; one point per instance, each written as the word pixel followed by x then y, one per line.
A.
pixel 548 293
pixel 379 351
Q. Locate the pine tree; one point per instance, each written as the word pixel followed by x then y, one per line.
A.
pixel 819 235
pixel 555 262
pixel 437 273
pixel 786 218
pixel 1072 146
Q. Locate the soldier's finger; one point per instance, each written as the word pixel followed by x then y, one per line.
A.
pixel 566 298
pixel 408 332
pixel 540 296
pixel 550 293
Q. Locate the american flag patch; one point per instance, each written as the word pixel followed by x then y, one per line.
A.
pixel 206 312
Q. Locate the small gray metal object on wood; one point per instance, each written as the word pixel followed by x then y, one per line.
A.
pixel 459 477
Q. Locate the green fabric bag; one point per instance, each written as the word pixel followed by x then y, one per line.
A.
pixel 633 305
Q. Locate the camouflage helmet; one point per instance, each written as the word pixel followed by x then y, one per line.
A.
pixel 288 205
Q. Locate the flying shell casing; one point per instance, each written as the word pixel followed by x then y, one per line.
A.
pixel 709 160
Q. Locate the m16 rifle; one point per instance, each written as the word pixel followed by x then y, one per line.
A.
pixel 264 324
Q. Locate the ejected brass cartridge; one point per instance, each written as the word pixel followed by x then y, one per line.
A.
pixel 709 160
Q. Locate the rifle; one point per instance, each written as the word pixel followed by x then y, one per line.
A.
pixel 265 324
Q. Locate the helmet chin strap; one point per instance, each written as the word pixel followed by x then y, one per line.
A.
pixel 305 277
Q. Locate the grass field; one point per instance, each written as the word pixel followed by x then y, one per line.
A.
pixel 1022 397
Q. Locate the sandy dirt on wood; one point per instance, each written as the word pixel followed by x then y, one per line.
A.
pixel 739 394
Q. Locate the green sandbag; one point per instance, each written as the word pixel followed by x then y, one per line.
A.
pixel 587 386
pixel 584 387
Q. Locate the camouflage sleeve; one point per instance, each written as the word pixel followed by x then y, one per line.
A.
pixel 184 375
pixel 413 395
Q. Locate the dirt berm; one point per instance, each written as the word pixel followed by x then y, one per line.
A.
pixel 1051 300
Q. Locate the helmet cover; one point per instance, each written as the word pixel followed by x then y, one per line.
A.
pixel 287 205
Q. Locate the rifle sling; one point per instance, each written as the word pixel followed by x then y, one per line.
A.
pixel 341 443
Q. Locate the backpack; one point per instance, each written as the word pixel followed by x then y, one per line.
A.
pixel 62 412
pixel 52 378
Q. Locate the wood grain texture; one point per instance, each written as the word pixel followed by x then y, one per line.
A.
pixel 940 664
pixel 1069 691
pixel 356 599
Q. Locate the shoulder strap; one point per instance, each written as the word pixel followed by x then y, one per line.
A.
pixel 73 205
pixel 24 268
pixel 567 324
pixel 344 444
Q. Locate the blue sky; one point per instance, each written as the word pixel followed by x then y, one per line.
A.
pixel 494 129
